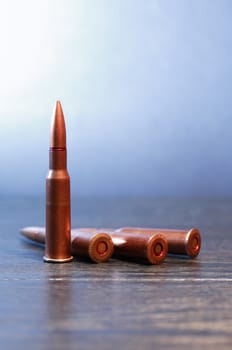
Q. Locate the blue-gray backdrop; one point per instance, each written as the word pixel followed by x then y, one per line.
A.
pixel 145 86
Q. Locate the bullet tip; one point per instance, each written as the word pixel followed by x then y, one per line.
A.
pixel 58 132
pixel 58 108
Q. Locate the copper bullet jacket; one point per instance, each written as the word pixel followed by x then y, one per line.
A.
pixel 181 242
pixel 96 246
pixel 34 233
pixel 150 247
pixel 58 236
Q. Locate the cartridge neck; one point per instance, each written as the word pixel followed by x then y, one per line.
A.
pixel 57 158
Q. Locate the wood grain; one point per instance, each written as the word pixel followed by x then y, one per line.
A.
pixel 179 304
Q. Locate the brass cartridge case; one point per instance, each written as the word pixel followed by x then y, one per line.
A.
pixel 98 246
pixel 58 237
pixel 150 247
pixel 183 242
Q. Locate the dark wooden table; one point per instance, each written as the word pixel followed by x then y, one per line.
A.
pixel 180 304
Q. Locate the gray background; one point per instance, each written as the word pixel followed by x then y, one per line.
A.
pixel 145 88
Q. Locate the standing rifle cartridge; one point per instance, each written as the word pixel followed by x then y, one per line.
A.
pixel 58 237
pixel 96 246
pixel 150 247
pixel 183 242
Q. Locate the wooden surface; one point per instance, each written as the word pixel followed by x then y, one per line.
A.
pixel 180 304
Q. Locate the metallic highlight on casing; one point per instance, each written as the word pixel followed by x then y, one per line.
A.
pixel 181 242
pixel 58 237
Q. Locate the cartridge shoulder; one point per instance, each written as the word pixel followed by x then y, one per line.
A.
pixel 58 174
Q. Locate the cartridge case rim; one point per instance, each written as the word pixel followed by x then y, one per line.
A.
pixel 193 242
pixel 156 257
pixel 55 260
pixel 100 255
